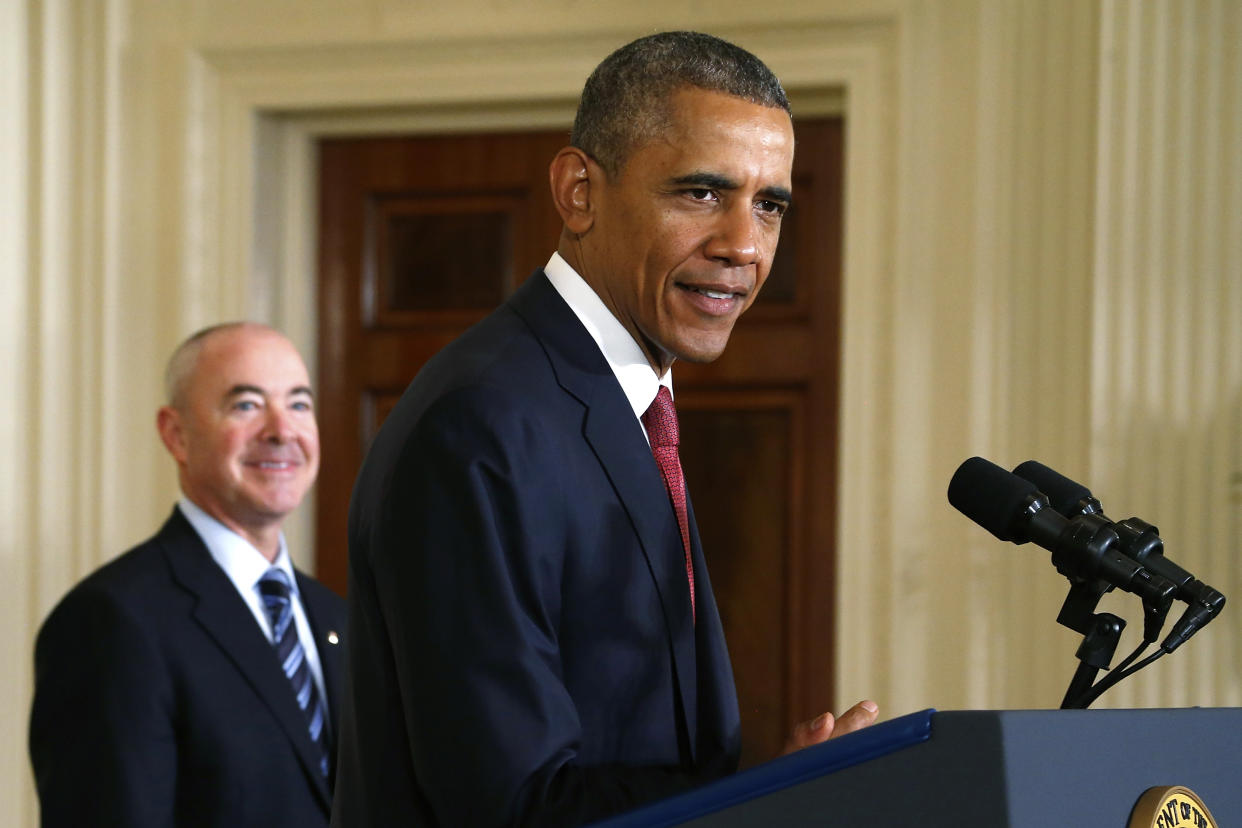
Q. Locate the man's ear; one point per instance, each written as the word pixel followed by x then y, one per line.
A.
pixel 168 422
pixel 572 173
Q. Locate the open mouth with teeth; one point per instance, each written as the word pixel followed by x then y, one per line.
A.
pixel 712 301
pixel 274 465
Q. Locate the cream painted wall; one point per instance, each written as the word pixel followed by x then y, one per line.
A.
pixel 1042 260
pixel 17 561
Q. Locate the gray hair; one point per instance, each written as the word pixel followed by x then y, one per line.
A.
pixel 625 101
pixel 183 360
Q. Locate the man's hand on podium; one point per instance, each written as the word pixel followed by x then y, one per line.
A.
pixel 826 726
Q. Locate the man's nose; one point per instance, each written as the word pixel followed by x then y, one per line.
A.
pixel 277 425
pixel 736 240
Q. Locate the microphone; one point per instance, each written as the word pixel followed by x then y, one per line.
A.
pixel 1139 541
pixel 1083 547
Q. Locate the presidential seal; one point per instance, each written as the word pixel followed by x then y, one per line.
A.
pixel 1171 807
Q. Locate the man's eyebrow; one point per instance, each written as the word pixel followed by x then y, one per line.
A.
pixel 706 180
pixel 243 388
pixel 780 194
pixel 716 181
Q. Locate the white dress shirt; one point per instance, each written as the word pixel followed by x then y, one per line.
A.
pixel 624 356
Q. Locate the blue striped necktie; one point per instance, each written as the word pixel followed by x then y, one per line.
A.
pixel 276 590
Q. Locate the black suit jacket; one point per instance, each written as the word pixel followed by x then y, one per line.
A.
pixel 159 701
pixel 522 649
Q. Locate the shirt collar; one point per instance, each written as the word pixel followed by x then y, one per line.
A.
pixel 624 356
pixel 244 564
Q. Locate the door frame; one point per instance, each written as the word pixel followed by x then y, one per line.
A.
pixel 251 192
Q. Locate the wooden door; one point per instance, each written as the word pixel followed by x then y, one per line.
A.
pixel 420 237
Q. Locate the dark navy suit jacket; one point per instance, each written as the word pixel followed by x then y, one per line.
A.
pixel 160 702
pixel 522 649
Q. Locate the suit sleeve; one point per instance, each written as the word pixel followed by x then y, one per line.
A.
pixel 467 559
pixel 101 735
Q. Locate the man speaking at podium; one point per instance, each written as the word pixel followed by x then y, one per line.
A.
pixel 534 635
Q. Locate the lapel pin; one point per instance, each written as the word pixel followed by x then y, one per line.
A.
pixel 333 638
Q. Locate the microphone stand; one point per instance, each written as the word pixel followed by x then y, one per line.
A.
pixel 1101 633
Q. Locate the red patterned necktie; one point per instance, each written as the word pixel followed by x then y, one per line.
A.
pixel 660 420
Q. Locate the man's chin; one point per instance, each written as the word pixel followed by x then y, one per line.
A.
pixel 273 507
pixel 701 353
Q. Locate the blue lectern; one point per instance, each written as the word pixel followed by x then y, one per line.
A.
pixel 1018 768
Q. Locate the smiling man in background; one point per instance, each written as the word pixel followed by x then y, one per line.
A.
pixel 193 680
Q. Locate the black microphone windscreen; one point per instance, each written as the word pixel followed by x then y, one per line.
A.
pixel 990 496
pixel 1064 495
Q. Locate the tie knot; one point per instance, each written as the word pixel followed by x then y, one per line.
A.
pixel 275 584
pixel 660 420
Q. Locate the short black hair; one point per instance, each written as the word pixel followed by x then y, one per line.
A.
pixel 625 100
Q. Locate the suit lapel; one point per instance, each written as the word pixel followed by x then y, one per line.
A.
pixel 720 734
pixel 328 644
pixel 616 438
pixel 322 627
pixel 222 613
